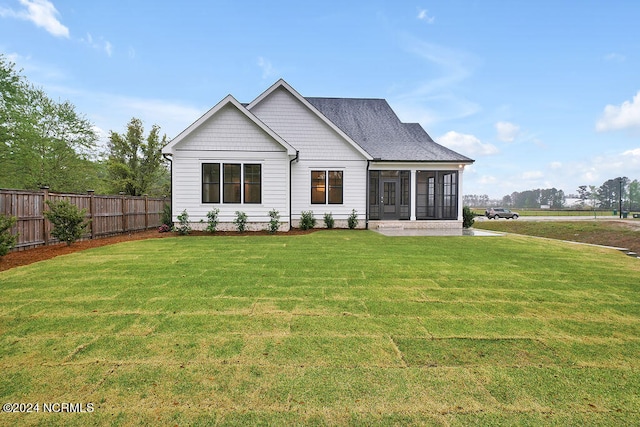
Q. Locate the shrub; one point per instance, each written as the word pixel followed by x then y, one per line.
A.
pixel 353 219
pixel 241 221
pixel 307 220
pixel 328 220
pixel 164 228
pixel 183 220
pixel 7 240
pixel 166 216
pixel 468 217
pixel 69 222
pixel 212 220
pixel 274 221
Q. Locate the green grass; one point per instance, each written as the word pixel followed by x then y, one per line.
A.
pixel 330 328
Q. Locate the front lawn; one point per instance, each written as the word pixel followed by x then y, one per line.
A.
pixel 334 327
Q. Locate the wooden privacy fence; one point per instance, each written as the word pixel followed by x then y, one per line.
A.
pixel 109 215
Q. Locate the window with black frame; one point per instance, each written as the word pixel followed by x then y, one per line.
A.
pixel 231 183
pixel 211 183
pixel 232 178
pixel 252 183
pixel 327 187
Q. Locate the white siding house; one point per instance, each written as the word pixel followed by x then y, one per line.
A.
pixel 326 155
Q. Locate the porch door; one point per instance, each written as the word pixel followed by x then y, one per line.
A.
pixel 390 198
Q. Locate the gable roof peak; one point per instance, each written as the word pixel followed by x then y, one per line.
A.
pixel 228 100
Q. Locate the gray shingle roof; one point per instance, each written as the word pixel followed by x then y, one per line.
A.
pixel 373 125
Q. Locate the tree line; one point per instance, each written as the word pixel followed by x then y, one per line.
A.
pixel 609 195
pixel 44 142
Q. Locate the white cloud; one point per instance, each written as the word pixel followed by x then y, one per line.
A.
pixel 436 98
pixel 634 153
pixel 100 44
pixel 532 175
pixel 624 116
pixel 423 15
pixel 42 13
pixel 555 165
pixel 613 56
pixel 507 132
pixel 467 144
pixel 267 68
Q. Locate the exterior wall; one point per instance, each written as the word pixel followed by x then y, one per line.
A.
pixel 187 185
pixel 320 148
pixel 354 191
pixel 229 137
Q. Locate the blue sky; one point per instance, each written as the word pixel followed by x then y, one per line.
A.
pixel 541 94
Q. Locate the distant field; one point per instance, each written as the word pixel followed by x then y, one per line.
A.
pixel 554 212
pixel 329 328
pixel 618 234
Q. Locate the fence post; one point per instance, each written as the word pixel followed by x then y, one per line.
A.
pixel 124 212
pixel 92 209
pixel 146 211
pixel 46 226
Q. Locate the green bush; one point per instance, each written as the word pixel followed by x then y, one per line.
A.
pixel 241 221
pixel 274 222
pixel 166 215
pixel 212 220
pixel 468 217
pixel 7 240
pixel 69 222
pixel 328 220
pixel 352 221
pixel 307 220
pixel 184 227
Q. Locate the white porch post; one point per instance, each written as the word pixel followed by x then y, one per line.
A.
pixel 413 195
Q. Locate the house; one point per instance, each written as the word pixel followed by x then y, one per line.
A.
pixel 291 153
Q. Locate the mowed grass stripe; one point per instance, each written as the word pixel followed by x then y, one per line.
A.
pixel 334 327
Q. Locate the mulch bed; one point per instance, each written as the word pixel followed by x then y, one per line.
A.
pixel 41 253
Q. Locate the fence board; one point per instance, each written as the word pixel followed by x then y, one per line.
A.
pixel 110 215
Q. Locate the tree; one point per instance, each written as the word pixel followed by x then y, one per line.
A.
pixel 634 195
pixel 583 194
pixel 69 222
pixel 7 240
pixel 136 165
pixel 612 191
pixel 42 142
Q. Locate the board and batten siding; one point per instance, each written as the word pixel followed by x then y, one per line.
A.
pixel 229 137
pixel 302 128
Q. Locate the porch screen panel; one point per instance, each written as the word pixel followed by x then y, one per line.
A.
pixel 252 183
pixel 231 186
pixel 425 194
pixel 450 195
pixel 374 194
pixel 211 183
pixel 405 194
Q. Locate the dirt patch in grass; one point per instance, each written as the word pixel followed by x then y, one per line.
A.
pixel 41 253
